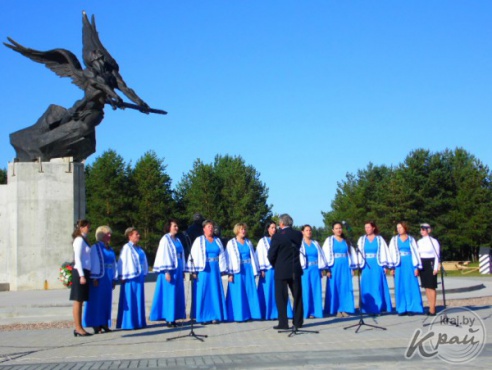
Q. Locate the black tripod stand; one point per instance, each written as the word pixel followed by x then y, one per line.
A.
pixel 295 330
pixel 296 286
pixel 442 272
pixel 359 271
pixel 192 319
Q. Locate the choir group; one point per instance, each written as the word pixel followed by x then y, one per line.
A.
pixel 251 288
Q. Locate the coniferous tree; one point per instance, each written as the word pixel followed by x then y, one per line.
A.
pixel 109 196
pixel 152 199
pixel 451 190
pixel 3 176
pixel 227 191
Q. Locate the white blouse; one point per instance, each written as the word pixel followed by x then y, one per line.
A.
pixel 81 255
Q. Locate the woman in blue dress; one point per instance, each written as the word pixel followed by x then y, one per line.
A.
pixel 375 293
pixel 242 266
pixel 405 258
pixel 340 261
pixel 169 295
pixel 313 263
pixel 103 278
pixel 206 262
pixel 132 268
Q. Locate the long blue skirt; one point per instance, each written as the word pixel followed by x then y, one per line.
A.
pixel 131 306
pixel 242 296
pixel 266 297
pixel 339 295
pixel 376 297
pixel 169 297
pixel 98 308
pixel 311 292
pixel 209 303
pixel 407 290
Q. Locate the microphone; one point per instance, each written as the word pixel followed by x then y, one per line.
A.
pixel 347 226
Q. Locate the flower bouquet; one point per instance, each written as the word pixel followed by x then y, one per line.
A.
pixel 66 274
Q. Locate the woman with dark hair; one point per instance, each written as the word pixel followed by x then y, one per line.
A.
pixel 374 261
pixel 207 261
pixel 132 268
pixel 103 277
pixel 313 263
pixel 79 292
pixel 429 251
pixel 340 260
pixel 169 295
pixel 242 266
pixel 404 256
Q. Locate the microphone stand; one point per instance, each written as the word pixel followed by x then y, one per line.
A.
pixel 359 272
pixel 192 319
pixel 442 272
pixel 295 330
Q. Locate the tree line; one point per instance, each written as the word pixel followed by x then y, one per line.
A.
pixel 451 190
pixel 121 195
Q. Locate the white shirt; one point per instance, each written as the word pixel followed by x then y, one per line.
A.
pixel 81 255
pixel 429 248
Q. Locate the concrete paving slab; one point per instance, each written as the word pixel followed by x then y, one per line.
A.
pixel 229 345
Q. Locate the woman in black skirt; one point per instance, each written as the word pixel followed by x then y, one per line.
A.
pixel 429 248
pixel 80 274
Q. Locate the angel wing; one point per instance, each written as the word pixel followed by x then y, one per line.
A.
pixel 61 61
pixel 94 51
pixel 92 44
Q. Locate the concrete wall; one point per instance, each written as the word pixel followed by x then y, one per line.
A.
pixel 38 210
pixel 5 252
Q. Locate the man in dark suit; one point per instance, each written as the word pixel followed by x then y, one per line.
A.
pixel 284 257
pixel 196 228
pixel 194 231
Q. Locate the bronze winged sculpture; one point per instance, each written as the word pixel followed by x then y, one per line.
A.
pixel 61 132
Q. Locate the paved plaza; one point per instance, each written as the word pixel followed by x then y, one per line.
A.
pixel 228 345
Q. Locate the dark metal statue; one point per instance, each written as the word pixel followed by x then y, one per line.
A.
pixel 61 132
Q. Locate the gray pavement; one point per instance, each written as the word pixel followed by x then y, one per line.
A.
pixel 229 345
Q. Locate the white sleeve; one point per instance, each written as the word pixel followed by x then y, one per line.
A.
pixel 438 253
pixel 77 254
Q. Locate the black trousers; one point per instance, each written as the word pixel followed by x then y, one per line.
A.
pixel 281 297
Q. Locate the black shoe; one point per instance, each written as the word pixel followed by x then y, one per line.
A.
pixel 431 314
pixel 105 329
pixel 403 314
pixel 77 334
pixel 281 327
pixel 410 313
pixel 97 329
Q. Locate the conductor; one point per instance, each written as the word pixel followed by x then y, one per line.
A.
pixel 284 257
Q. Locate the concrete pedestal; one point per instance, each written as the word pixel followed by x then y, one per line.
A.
pixel 38 209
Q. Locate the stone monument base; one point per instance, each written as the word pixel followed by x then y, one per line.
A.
pixel 38 209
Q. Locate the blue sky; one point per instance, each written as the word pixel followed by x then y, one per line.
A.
pixel 305 91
